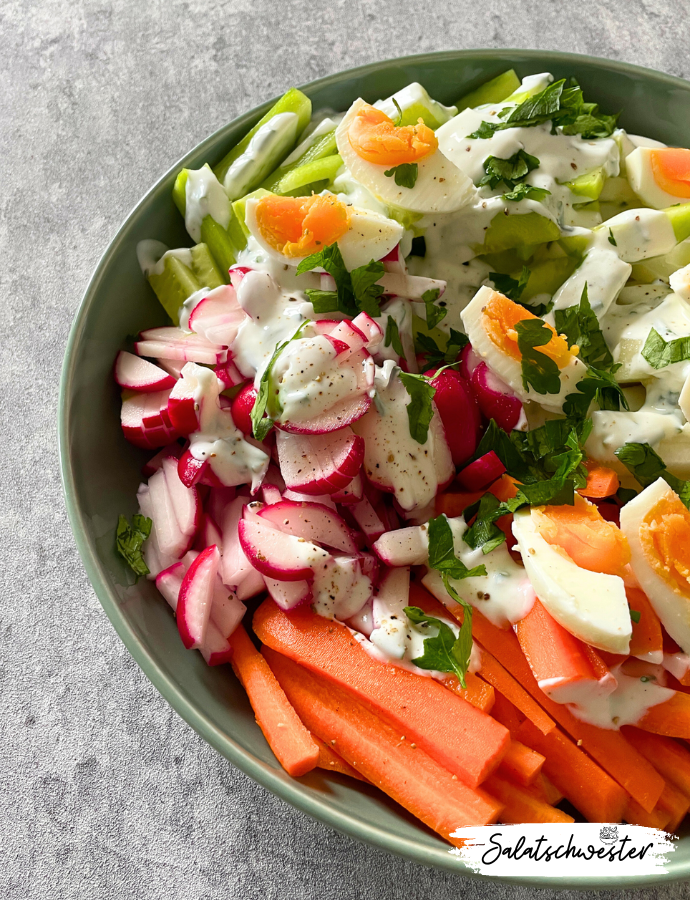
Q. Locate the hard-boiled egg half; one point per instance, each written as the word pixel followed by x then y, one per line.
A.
pixel 490 320
pixel 292 228
pixel 657 526
pixel 660 175
pixel 374 149
pixel 574 560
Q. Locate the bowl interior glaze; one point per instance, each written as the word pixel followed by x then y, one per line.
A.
pixel 101 471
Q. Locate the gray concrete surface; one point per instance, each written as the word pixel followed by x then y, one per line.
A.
pixel 104 791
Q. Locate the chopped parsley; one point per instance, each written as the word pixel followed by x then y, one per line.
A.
pixel 526 192
pixel 261 421
pixel 420 410
pixel 392 337
pixel 508 286
pixel 355 292
pixel 538 369
pixel 660 353
pixel 434 314
pixel 443 652
pixel 647 467
pixel 129 540
pixel 405 174
pixel 509 171
pixel 612 239
pixel 435 356
pixel 580 325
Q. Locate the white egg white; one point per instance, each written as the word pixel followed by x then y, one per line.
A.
pixel 670 604
pixel 590 605
pixel 641 177
pixel 508 368
pixel 370 236
pixel 441 187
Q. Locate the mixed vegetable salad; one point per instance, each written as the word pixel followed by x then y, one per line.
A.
pixel 421 434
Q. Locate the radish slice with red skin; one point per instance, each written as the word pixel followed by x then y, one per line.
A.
pixel 229 374
pixel 482 472
pixel 323 499
pixel 172 541
pixel 278 555
pixel 236 274
pixel 459 412
pixel 353 493
pixel 469 360
pixel 218 308
pixel 370 329
pixel 234 565
pixel 310 521
pixel 288 594
pixel 174 343
pixel 366 517
pixel 271 494
pixel 142 420
pixel 173 367
pixel 196 598
pixel 217 502
pixel 154 464
pixel 137 374
pixel 208 535
pixel 252 584
pixel 404 547
pixel 169 581
pixel 185 500
pixel 154 557
pixel 319 464
pixel 196 471
pixel 495 398
pixel 226 610
pixel 242 406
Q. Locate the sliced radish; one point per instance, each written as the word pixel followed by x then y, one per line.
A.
pixel 271 494
pixel 172 541
pixel 208 534
pixel 138 374
pixel 363 621
pixel 226 610
pixel 154 557
pixel 144 420
pixel 370 567
pixel 169 581
pixel 395 261
pixel 496 400
pixel 340 588
pixel 196 598
pixel 229 374
pixel 237 273
pixel 469 360
pixel 413 287
pixel 344 333
pixel 251 585
pixel 217 502
pixel 242 407
pixel 459 412
pixel 172 366
pixel 185 500
pixel 279 555
pixel 482 472
pixel 367 518
pixel 323 499
pixel 404 547
pixel 193 389
pixel 370 329
pixel 319 464
pixel 156 461
pixel 311 522
pixel 352 493
pixel 216 649
pixel 235 564
pixel 174 343
pixel 196 471
pixel 218 316
pixel 288 594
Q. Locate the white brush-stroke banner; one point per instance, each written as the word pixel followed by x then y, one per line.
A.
pixel 564 850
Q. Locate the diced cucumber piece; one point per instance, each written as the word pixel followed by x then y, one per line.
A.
pixel 518 231
pixel 493 91
pixel 205 269
pixel 662 266
pixel 263 148
pixel 223 243
pixel 318 170
pixel 680 220
pixel 415 103
pixel 546 277
pixel 575 245
pixel 172 287
pixel 590 184
pixel 324 146
pixel 240 207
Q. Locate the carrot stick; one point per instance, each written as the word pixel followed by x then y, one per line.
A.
pixel 601 481
pixel 675 803
pixel 505 713
pixel 553 654
pixel 477 692
pixel 668 756
pixel 286 735
pixel 504 488
pixel 587 786
pixel 609 748
pixel 521 764
pixel 399 767
pixel 332 762
pixel 545 790
pixel 462 739
pixel 670 718
pixel 646 634
pixel 636 815
pixel 454 503
pixel 520 806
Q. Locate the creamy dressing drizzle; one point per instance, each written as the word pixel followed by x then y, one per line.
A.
pixel 204 196
pixel 272 140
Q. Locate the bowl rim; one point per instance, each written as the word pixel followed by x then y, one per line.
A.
pixel 291 790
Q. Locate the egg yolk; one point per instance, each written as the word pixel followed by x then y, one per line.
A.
pixel 665 538
pixel 298 226
pixel 501 315
pixel 584 536
pixel 671 170
pixel 376 138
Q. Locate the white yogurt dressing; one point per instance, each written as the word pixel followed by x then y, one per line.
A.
pixel 340 589
pixel 271 141
pixel 204 196
pixel 151 256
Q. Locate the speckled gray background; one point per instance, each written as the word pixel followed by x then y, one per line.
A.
pixel 104 791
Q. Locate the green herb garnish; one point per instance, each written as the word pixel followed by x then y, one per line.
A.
pixel 405 174
pixel 129 540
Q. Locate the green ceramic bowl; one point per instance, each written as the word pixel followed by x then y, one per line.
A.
pixel 101 471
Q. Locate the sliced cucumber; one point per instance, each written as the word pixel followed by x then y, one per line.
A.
pixel 493 91
pixel 205 269
pixel 172 287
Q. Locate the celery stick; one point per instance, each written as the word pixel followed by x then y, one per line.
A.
pixel 224 244
pixel 172 287
pixel 204 267
pixel 319 170
pixel 493 91
pixel 247 164
pixel 588 185
pixel 323 146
